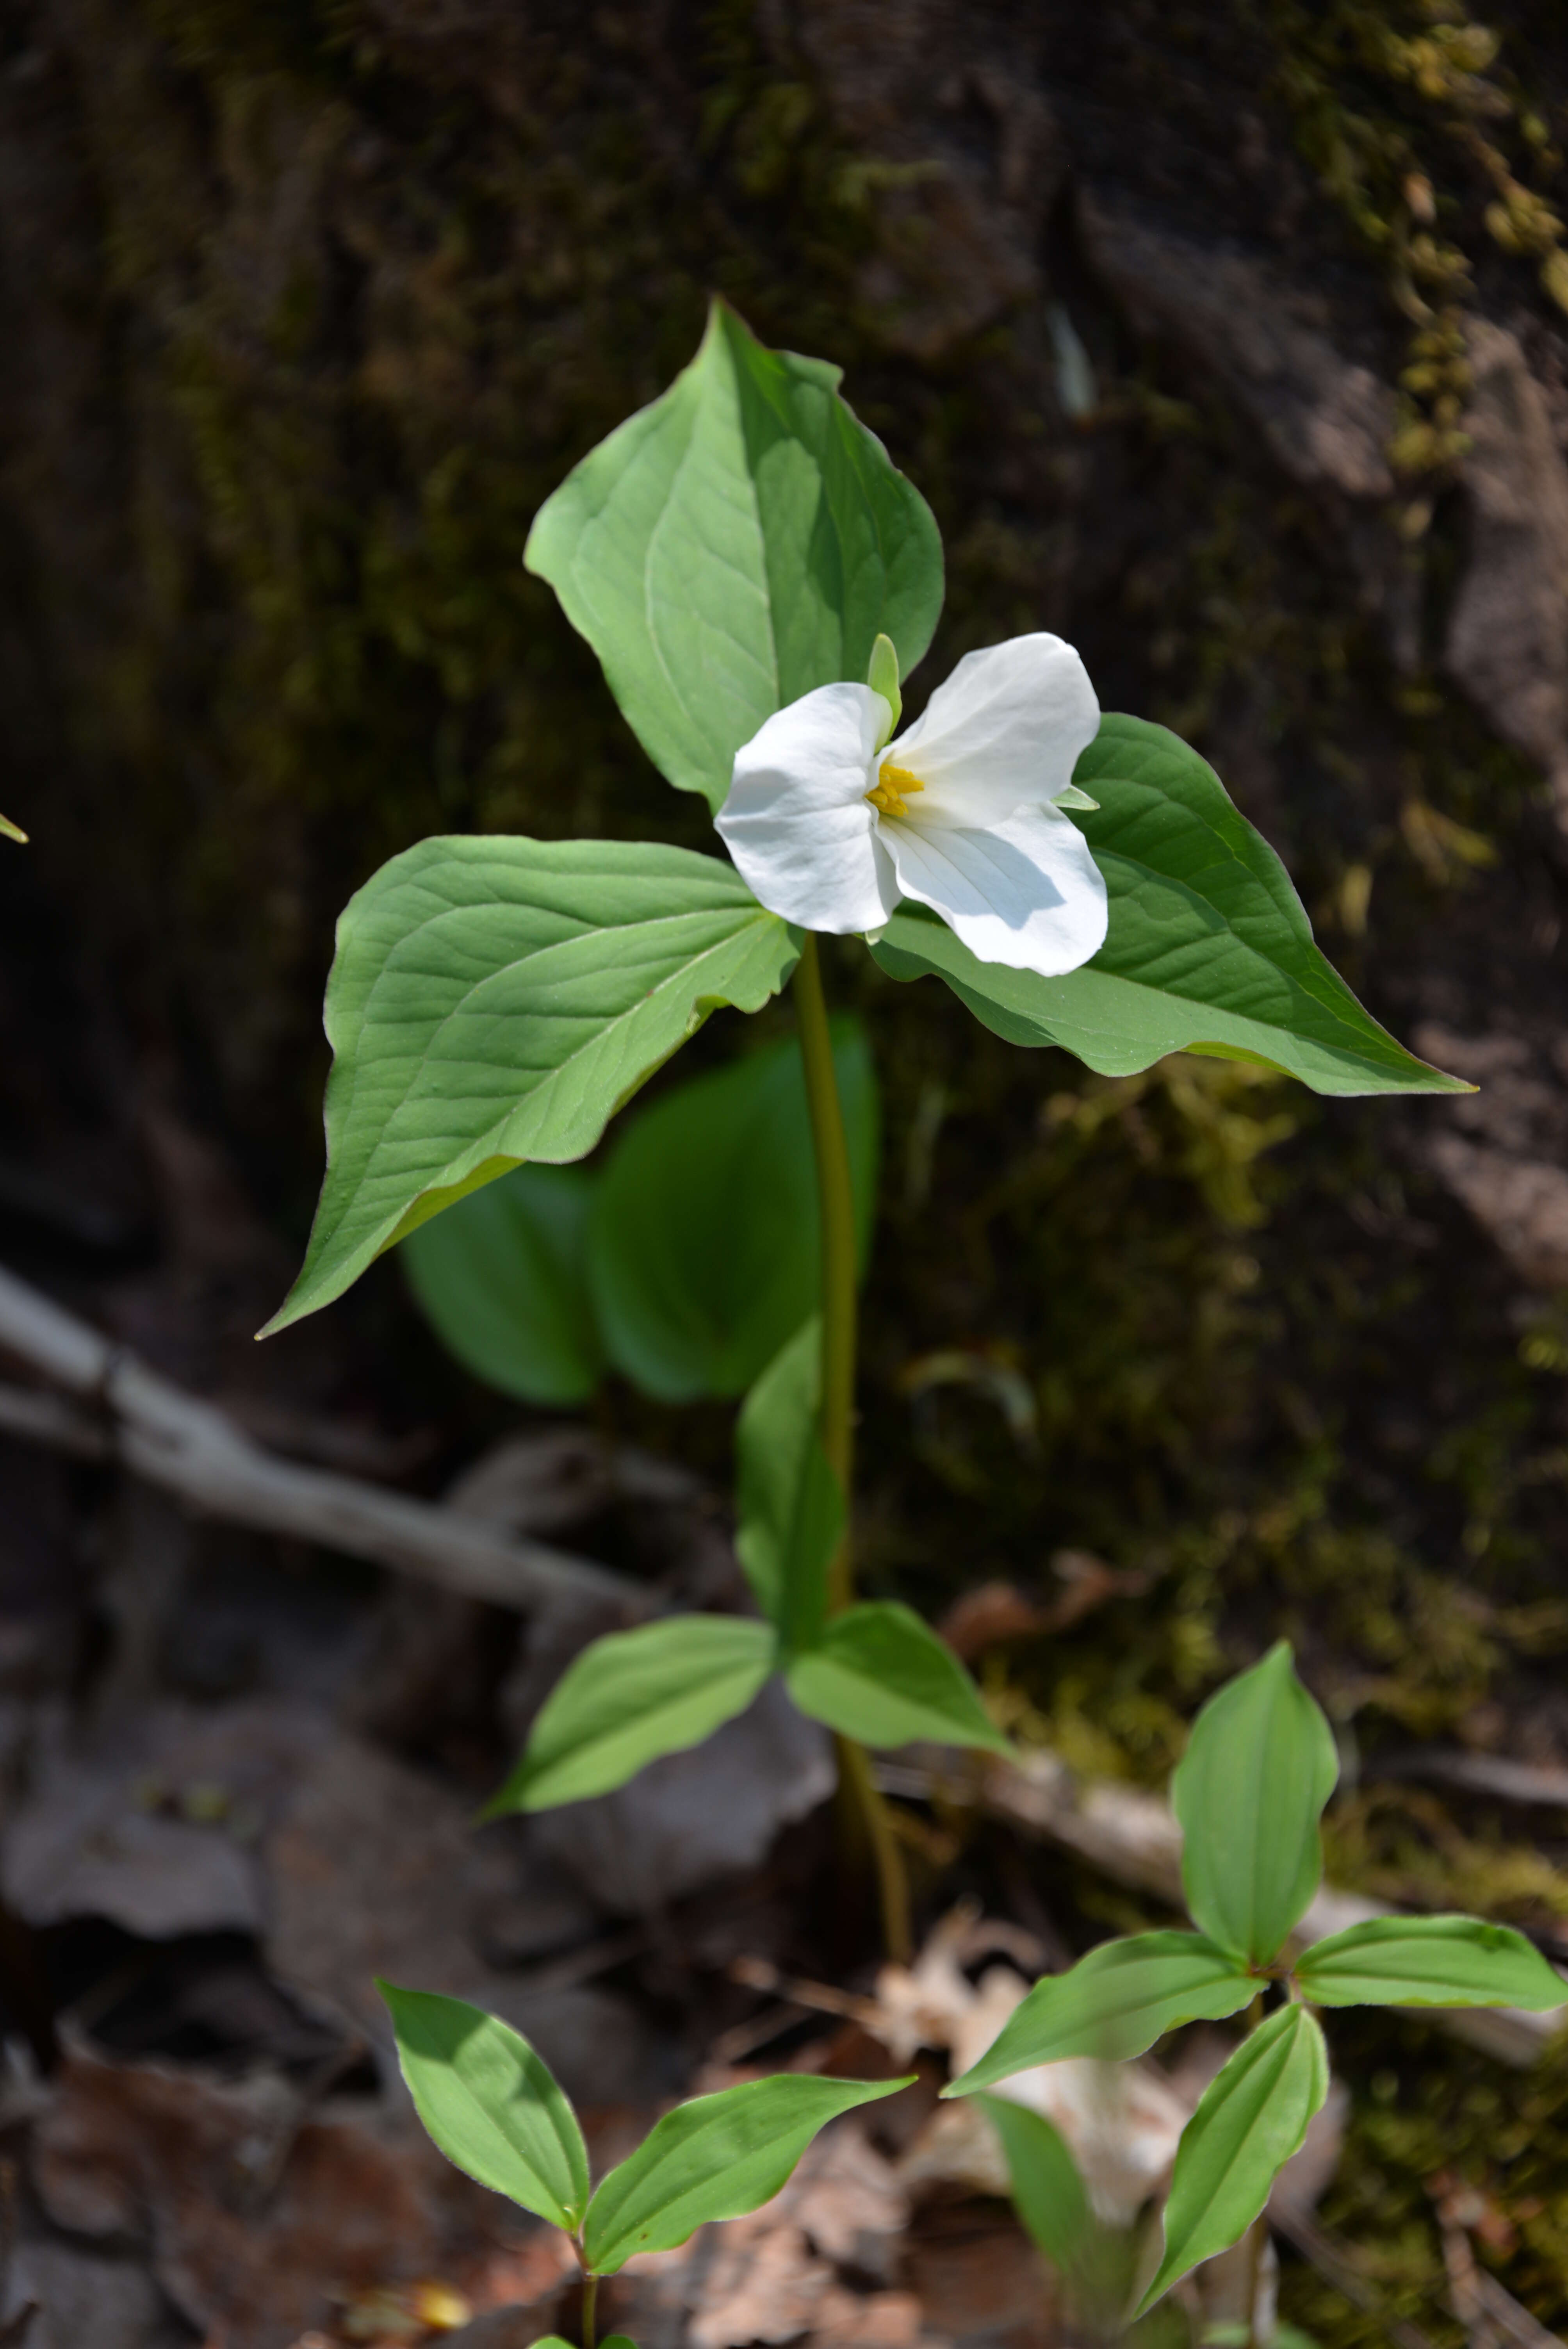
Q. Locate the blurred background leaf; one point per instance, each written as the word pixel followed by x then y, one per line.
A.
pixel 703 1238
pixel 501 1277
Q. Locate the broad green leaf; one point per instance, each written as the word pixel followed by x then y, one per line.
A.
pixel 738 544
pixel 632 1696
pixel 880 1675
pixel 1249 1792
pixel 490 2102
pixel 1428 1961
pixel 715 2158
pixel 1252 2118
pixel 502 1277
pixel 493 1000
pixel 1115 2003
pixel 703 1249
pixel 1048 2191
pixel 789 1503
pixel 1209 949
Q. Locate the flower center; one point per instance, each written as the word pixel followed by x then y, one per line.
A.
pixel 887 793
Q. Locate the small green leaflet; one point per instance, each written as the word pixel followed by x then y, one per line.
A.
pixel 788 1504
pixel 1046 2187
pixel 715 2158
pixel 880 1675
pixel 704 1247
pixel 1428 1961
pixel 738 544
pixel 1208 950
pixel 1251 2118
pixel 1249 1792
pixel 633 1696
pixel 1115 2003
pixel 493 1000
pixel 12 831
pixel 501 1275
pixel 490 2102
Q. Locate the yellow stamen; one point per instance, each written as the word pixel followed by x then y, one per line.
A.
pixel 887 793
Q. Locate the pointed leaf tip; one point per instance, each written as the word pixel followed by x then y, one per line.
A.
pixel 715 2157
pixel 1249 1793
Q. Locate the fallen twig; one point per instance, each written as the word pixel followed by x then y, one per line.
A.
pixel 127 1412
pixel 1525 1782
pixel 1134 1837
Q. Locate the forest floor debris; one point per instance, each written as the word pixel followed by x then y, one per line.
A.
pixel 205 1876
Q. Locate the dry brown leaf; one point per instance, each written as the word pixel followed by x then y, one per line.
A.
pixel 1120 2120
pixel 255 2228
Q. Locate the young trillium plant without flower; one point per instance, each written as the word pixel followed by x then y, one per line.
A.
pixel 832 825
pixel 1250 1792
pixel 491 2102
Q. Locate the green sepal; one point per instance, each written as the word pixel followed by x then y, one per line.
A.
pixel 882 676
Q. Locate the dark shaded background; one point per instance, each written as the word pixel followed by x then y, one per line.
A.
pixel 307 306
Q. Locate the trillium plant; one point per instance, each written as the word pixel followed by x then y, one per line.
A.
pixel 490 2101
pixel 1249 1794
pixel 758 581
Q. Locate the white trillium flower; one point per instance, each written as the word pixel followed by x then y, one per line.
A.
pixel 830 829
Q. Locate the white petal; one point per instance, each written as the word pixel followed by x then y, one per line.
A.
pixel 1026 892
pixel 1004 732
pixel 797 821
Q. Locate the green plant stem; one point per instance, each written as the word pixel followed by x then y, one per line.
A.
pixel 836 1201
pixel 873 1823
pixel 589 2299
pixel 861 1802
